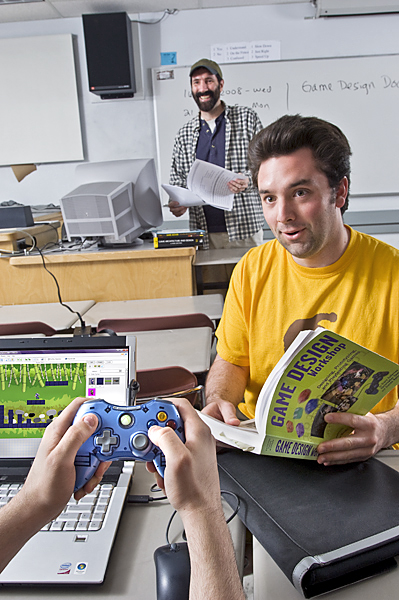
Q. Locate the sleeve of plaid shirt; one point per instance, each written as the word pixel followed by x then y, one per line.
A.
pixel 183 154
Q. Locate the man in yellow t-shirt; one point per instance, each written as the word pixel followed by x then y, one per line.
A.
pixel 317 271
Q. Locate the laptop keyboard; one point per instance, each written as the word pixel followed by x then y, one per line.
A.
pixel 87 514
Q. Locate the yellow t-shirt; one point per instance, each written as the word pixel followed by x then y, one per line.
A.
pixel 271 298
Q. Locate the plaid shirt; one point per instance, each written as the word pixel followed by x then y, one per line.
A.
pixel 242 124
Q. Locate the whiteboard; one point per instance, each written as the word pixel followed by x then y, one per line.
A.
pixel 39 111
pixel 359 94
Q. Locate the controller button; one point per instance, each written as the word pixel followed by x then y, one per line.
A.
pixel 126 420
pixel 140 442
pixel 151 422
pixel 162 416
pixel 172 424
pixel 106 440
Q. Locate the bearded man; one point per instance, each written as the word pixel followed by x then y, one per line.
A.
pixel 219 134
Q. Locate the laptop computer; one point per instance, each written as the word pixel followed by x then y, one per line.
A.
pixel 38 378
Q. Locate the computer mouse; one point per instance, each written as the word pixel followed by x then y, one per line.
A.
pixel 172 565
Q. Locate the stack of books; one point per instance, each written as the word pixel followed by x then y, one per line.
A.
pixel 178 238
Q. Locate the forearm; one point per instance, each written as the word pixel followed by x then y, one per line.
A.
pixel 390 426
pixel 214 572
pixel 18 523
pixel 226 382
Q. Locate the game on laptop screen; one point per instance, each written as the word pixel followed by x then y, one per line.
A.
pixel 36 385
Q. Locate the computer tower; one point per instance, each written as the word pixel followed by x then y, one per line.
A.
pixel 109 54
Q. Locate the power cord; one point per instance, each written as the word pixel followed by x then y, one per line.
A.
pixel 82 323
pixel 25 250
pixel 231 517
pixel 143 499
pixel 23 247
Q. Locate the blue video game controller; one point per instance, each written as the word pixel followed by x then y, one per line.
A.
pixel 122 434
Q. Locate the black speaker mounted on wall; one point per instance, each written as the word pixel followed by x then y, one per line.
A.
pixel 109 54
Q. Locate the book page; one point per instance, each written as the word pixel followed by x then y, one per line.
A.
pixel 182 195
pixel 209 182
pixel 245 437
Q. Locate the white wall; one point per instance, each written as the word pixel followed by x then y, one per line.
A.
pixel 125 128
pixel 112 129
pixel 301 36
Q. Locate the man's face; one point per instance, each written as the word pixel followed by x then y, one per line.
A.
pixel 206 89
pixel 302 210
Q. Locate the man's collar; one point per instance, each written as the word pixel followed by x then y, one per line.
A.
pixel 217 120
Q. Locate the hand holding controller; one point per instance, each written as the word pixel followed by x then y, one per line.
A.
pixel 122 434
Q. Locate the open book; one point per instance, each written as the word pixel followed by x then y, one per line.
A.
pixel 321 372
pixel 207 184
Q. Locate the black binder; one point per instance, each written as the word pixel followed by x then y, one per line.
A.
pixel 325 527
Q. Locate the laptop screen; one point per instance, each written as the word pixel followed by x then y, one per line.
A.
pixel 39 377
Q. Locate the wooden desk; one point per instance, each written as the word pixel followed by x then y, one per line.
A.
pixel 102 275
pixel 43 233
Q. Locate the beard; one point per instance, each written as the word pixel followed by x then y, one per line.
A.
pixel 207 106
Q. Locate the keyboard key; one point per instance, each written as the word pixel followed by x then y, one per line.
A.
pixel 70 526
pixel 86 514
pixel 103 502
pixel 87 500
pixel 74 509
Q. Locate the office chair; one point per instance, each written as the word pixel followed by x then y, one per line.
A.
pixel 169 382
pixel 26 328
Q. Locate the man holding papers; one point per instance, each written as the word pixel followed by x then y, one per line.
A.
pixel 219 135
pixel 317 272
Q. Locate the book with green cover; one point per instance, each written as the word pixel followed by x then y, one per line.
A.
pixel 320 372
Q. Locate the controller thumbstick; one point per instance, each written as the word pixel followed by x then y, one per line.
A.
pixel 140 442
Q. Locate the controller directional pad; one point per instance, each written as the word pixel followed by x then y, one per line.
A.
pixel 107 441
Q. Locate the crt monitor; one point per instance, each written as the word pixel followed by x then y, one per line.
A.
pixel 114 201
